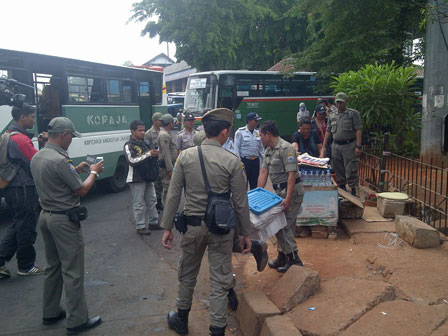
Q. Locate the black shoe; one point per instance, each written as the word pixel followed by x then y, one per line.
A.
pixel 90 324
pixel 353 192
pixel 233 299
pixel 292 259
pixel 179 321
pixel 53 320
pixel 279 262
pixel 217 331
pixel 260 252
pixel 343 187
pixel 159 205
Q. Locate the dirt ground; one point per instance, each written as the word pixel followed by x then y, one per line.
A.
pixel 418 276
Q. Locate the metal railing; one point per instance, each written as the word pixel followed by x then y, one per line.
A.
pixel 424 183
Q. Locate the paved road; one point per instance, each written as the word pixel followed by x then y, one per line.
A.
pixel 130 280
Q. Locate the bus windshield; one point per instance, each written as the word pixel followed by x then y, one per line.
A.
pixel 200 95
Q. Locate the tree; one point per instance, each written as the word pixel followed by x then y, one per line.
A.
pixel 226 34
pixel 347 34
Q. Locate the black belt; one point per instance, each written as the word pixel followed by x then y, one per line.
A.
pixel 344 142
pixel 283 185
pixel 193 220
pixel 253 157
pixel 56 212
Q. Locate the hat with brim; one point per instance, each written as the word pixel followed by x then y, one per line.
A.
pixel 219 114
pixel 189 116
pixel 341 97
pixel 156 116
pixel 320 109
pixel 62 125
pixel 253 116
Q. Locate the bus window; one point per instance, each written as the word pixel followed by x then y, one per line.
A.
pixel 302 86
pixel 113 91
pixel 97 91
pixel 79 89
pixel 273 87
pixel 143 89
pixel 247 87
pixel 127 92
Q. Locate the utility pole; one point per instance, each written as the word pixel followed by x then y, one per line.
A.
pixel 434 141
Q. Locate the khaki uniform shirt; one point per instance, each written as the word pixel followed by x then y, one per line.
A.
pixel 151 136
pixel 168 151
pixel 224 171
pixel 184 139
pixel 56 179
pixel 280 160
pixel 343 125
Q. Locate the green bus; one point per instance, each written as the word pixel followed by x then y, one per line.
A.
pixel 101 100
pixel 269 93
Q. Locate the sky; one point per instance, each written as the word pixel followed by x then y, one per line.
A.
pixel 91 30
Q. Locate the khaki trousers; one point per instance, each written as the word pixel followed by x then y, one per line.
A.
pixel 165 178
pixel 194 242
pixel 286 241
pixel 64 251
pixel 345 164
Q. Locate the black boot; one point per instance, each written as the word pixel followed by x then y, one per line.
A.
pixel 233 299
pixel 260 252
pixel 292 259
pixel 217 331
pixel 279 262
pixel 179 321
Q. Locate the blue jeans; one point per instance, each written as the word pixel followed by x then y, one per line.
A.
pixel 21 234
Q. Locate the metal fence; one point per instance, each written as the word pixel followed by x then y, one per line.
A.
pixel 425 184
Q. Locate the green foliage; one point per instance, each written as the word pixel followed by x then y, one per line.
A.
pixel 385 97
pixel 225 34
pixel 346 34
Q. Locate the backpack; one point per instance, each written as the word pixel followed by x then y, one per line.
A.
pixel 8 170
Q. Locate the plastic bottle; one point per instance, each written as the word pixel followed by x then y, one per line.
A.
pixel 329 182
pixel 305 178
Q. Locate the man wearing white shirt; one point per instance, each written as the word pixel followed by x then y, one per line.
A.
pixel 249 148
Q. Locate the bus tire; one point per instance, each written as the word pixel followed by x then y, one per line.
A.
pixel 117 182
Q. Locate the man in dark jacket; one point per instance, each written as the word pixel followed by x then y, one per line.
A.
pixel 142 167
pixel 21 198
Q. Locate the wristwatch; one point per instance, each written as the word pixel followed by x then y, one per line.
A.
pixel 94 173
pixel 359 147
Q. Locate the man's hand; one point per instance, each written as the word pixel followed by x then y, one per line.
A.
pixel 285 204
pixel 80 168
pixel 42 138
pixel 246 244
pixel 167 239
pixel 358 152
pixel 98 167
pixel 154 153
pixel 323 152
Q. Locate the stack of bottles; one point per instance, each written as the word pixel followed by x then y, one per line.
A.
pixel 316 177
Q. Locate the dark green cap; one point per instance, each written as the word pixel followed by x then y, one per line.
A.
pixel 167 118
pixel 61 125
pixel 341 97
pixel 156 116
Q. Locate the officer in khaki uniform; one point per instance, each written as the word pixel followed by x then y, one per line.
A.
pixel 168 152
pixel 280 163
pixel 226 173
pixel 60 187
pixel 184 139
pixel 150 138
pixel 345 127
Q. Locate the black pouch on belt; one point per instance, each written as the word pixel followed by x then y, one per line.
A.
pixel 77 214
pixel 179 223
